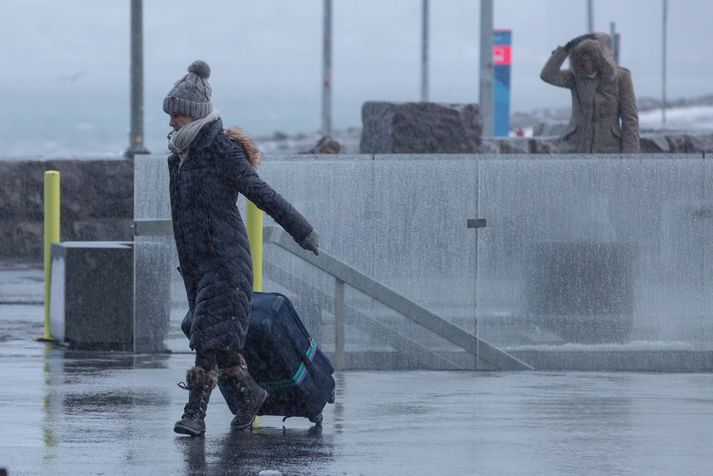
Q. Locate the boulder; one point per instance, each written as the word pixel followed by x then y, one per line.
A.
pixel 545 145
pixel 550 128
pixel 513 145
pixel 679 142
pixel 654 144
pixel 701 142
pixel 420 128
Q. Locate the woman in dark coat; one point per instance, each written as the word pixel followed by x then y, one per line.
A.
pixel 208 169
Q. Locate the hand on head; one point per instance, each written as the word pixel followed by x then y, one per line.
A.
pixel 575 41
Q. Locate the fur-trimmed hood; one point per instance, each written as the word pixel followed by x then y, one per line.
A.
pixel 600 50
pixel 242 138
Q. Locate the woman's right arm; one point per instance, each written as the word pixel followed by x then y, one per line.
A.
pixel 551 72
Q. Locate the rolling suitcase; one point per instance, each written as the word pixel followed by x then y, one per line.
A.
pixel 284 360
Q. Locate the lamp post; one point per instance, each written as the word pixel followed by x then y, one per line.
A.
pixel 136 135
pixel 663 61
pixel 424 50
pixel 327 71
pixel 486 66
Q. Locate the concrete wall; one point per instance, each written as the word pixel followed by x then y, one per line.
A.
pixel 97 195
pixel 97 203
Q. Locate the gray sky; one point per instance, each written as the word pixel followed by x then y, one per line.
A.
pixel 68 60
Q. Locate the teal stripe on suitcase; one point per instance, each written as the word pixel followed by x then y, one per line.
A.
pixel 299 376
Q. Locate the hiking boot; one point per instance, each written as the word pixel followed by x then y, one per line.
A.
pixel 199 384
pixel 247 395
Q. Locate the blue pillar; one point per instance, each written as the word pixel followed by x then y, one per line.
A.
pixel 502 54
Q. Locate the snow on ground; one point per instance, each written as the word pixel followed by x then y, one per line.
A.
pixel 680 118
pixel 636 345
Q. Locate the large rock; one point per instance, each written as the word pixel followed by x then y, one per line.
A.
pixel 420 128
pixel 546 145
pixel 550 128
pixel 679 142
pixel 702 143
pixel 513 145
pixel 654 144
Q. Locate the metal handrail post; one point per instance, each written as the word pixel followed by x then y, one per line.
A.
pixel 339 324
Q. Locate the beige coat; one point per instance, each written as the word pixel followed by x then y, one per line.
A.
pixel 604 118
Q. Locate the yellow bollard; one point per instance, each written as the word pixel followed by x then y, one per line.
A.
pixel 51 235
pixel 253 222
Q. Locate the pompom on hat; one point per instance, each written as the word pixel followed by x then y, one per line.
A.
pixel 190 95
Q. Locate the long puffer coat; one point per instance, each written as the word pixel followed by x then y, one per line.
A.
pixel 605 118
pixel 212 243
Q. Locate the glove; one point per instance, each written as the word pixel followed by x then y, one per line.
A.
pixel 311 242
pixel 575 41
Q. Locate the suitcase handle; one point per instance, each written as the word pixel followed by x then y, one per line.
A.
pixel 304 355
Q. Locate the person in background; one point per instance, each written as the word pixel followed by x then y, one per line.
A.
pixel 208 168
pixel 326 145
pixel 604 118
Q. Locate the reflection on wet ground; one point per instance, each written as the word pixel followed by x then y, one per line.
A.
pixel 291 451
pixel 68 412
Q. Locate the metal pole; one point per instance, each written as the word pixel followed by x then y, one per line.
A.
pixel 486 66
pixel 424 50
pixel 327 71
pixel 663 62
pixel 615 41
pixel 477 223
pixel 590 16
pixel 136 135
pixel 339 324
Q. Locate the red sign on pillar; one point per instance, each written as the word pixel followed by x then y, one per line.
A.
pixel 501 55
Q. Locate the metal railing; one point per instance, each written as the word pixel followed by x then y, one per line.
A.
pixel 344 274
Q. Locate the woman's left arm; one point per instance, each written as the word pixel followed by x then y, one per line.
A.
pixel 255 189
pixel 629 113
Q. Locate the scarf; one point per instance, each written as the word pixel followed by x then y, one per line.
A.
pixel 179 141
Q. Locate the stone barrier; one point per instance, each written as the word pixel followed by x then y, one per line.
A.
pixel 97 203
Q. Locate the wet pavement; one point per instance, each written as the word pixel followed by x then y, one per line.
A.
pixel 66 412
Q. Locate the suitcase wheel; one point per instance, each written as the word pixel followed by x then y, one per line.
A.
pixel 317 420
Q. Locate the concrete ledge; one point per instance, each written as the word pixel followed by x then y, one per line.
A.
pixel 92 295
pixel 639 361
pixel 601 361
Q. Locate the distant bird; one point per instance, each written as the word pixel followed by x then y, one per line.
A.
pixel 72 77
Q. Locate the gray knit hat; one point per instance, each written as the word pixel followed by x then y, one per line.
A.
pixel 190 95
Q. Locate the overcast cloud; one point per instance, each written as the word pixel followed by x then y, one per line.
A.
pixel 68 61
